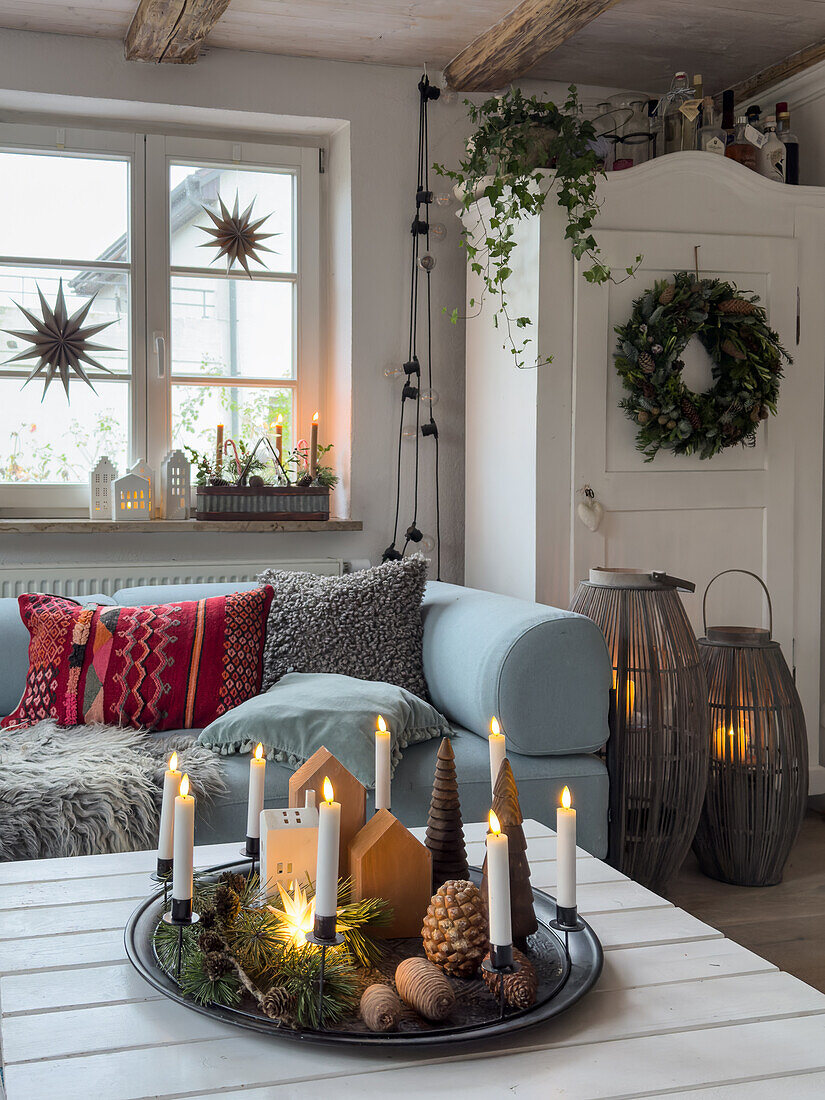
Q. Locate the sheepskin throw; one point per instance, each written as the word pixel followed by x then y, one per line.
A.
pixel 89 789
pixel 365 624
pixel 166 667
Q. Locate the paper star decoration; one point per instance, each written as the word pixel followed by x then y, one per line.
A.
pixel 60 343
pixel 236 236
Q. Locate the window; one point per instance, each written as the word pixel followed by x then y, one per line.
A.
pixel 190 345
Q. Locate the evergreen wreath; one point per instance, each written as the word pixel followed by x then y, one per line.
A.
pixel 746 364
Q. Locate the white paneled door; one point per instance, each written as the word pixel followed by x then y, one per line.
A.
pixel 690 516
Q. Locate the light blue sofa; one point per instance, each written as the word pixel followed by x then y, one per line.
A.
pixel 544 672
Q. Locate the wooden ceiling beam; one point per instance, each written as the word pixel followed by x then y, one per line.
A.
pixel 171 30
pixel 514 45
pixel 789 66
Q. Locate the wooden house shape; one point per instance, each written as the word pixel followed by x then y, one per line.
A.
pixel 348 791
pixel 100 488
pixel 175 485
pixel 132 498
pixel 386 861
pixel 289 847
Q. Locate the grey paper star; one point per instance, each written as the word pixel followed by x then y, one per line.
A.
pixel 59 342
pixel 236 237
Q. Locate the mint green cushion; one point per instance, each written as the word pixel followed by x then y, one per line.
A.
pixel 305 711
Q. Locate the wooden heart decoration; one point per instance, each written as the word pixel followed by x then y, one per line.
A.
pixel 591 513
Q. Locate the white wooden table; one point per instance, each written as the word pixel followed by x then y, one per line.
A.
pixel 678 1009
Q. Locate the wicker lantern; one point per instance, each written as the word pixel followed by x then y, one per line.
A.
pixel 657 754
pixel 758 777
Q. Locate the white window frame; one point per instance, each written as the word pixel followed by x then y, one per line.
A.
pixel 149 156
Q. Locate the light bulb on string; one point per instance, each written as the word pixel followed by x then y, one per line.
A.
pixel 410 432
pixel 427 544
pixel 426 262
pixel 443 198
pixel 430 396
pixel 438 231
pixel 394 371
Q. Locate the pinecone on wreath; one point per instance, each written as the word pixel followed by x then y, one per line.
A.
pixel 691 414
pixel 729 348
pixel 647 362
pixel 667 295
pixel 736 305
pixel 455 928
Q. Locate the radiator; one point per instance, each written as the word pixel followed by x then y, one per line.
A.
pixel 108 577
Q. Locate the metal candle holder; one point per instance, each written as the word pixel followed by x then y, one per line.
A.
pixel 181 916
pixel 567 920
pixel 163 876
pixel 324 935
pixel 501 962
pixel 252 851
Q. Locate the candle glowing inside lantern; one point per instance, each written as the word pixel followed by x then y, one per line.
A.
pixel 630 693
pixel 731 744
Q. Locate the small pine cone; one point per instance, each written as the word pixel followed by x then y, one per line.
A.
pixel 754 414
pixel 764 412
pixel 234 881
pixel 671 424
pixel 210 941
pixel 729 348
pixel 276 1002
pixel 643 417
pixel 647 362
pixel 209 918
pixel 663 420
pixel 216 964
pixel 736 305
pixel 667 295
pixel 227 903
pixel 690 414
pixel 521 988
pixel 648 391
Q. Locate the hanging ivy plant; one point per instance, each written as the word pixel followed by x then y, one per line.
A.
pixel 521 149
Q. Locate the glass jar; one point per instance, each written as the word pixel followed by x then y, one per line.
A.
pixel 636 134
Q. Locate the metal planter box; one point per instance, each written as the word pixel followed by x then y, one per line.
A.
pixel 240 502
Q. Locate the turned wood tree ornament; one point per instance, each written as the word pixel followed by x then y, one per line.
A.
pixel 508 811
pixel 445 833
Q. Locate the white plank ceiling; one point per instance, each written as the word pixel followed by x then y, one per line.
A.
pixel 637 43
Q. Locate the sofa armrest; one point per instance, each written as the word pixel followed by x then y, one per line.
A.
pixel 545 673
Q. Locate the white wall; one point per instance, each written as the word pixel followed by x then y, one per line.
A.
pixel 369 115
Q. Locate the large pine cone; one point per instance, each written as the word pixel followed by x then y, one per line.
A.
pixel 521 988
pixel 691 414
pixel 455 928
pixel 729 348
pixel 647 362
pixel 736 305
pixel 667 295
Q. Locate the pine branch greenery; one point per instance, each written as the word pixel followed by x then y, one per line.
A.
pixel 353 916
pixel 210 979
pixel 165 941
pixel 299 972
pixel 255 941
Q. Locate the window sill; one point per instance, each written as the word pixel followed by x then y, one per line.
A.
pixel 171 526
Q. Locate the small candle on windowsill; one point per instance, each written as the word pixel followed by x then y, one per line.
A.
pixel 171 789
pixel 566 852
pixel 383 757
pixel 313 447
pixel 219 451
pixel 257 779
pixel 184 849
pixel 326 871
pixel 498 750
pixel 279 437
pixel 498 886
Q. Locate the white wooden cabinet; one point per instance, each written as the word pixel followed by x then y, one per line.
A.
pixel 536 436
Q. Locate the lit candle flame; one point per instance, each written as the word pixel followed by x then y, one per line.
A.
pixel 173 762
pixel 315 418
pixel 566 798
pixel 279 419
pixel 259 751
pixel 184 786
pixel 495 728
pixel 381 725
pixel 329 793
pixel 495 825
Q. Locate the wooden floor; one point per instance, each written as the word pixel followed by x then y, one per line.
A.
pixel 785 923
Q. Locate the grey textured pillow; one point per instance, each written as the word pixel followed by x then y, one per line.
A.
pixel 365 624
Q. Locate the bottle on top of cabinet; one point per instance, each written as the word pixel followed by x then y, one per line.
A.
pixel 712 138
pixel 770 161
pixel 676 136
pixel 741 149
pixel 728 121
pixel 790 141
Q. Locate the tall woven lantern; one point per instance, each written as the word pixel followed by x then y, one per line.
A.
pixel 758 777
pixel 657 753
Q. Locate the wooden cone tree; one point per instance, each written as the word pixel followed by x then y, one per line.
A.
pixel 508 811
pixel 445 833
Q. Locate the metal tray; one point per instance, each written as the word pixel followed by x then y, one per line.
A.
pixel 560 986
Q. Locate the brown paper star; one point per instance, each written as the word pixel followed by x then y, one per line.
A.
pixel 236 237
pixel 60 342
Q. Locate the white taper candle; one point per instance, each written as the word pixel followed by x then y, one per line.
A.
pixel 257 777
pixel 184 844
pixel 498 750
pixel 171 787
pixel 326 871
pixel 566 852
pixel 498 885
pixel 309 799
pixel 383 756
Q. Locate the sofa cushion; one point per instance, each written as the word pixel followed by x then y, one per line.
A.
pixel 365 624
pixel 544 673
pixel 163 667
pixel 304 712
pixel 176 593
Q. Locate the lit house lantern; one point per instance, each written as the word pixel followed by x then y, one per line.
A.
pixel 657 753
pixel 758 779
pixel 132 498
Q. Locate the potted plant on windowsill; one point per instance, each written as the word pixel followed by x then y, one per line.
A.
pixel 521 149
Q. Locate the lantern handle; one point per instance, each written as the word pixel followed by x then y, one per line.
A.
pixel 747 573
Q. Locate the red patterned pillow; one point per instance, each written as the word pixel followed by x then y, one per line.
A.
pixel 174 666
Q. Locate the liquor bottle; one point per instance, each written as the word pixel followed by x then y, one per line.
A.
pixel 727 115
pixel 754 117
pixel 692 115
pixel 790 141
pixel 712 138
pixel 770 161
pixel 740 149
pixel 673 118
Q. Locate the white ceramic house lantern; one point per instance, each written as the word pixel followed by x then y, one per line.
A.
pixel 289 846
pixel 143 469
pixel 175 485
pixel 100 488
pixel 132 498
